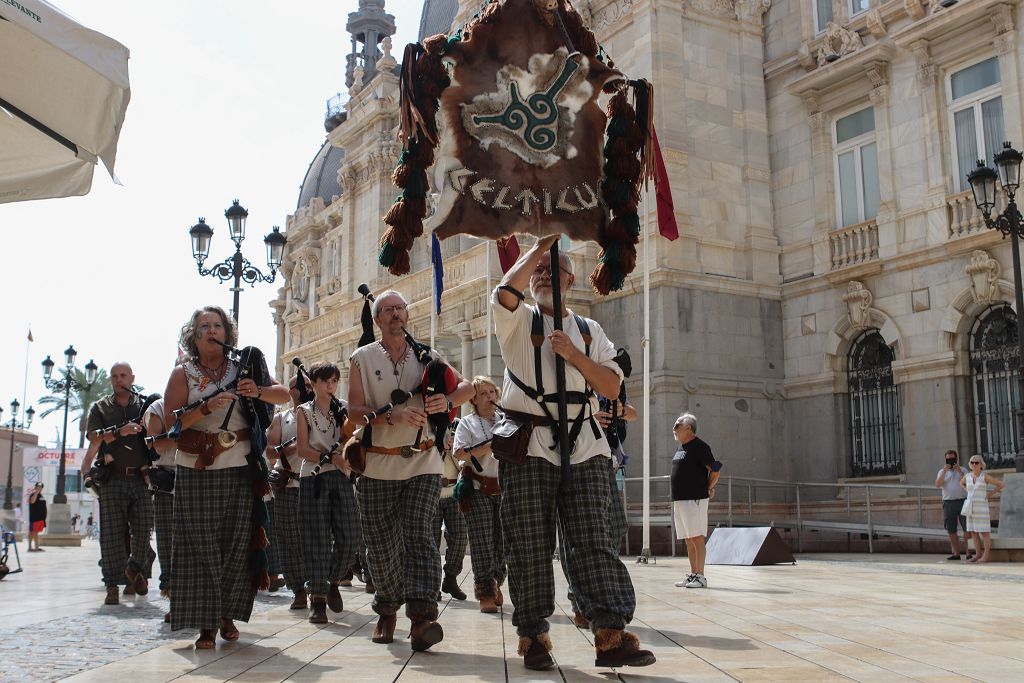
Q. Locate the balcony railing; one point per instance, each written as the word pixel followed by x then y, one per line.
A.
pixel 854 244
pixel 964 217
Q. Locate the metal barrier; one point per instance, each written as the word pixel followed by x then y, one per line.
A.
pixel 859 514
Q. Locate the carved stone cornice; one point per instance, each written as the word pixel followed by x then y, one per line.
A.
pixel 855 66
pixel 952 22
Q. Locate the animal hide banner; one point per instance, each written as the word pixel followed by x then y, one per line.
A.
pixel 521 137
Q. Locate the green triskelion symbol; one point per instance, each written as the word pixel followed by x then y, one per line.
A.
pixel 535 120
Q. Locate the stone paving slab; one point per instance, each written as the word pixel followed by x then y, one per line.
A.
pixel 828 618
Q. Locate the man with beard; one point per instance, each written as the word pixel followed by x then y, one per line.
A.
pixel 401 482
pixel 126 507
pixel 533 501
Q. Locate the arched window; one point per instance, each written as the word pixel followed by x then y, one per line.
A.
pixel 874 408
pixel 994 372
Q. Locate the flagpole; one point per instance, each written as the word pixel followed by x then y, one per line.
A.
pixel 645 552
pixel 487 305
pixel 24 386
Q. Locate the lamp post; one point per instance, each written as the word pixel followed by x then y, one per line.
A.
pixel 236 267
pixel 983 181
pixel 13 424
pixel 66 385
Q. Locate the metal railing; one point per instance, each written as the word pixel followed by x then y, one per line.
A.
pixel 803 498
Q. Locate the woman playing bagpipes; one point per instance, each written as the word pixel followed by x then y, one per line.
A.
pixel 480 496
pixel 218 556
pixel 401 480
pixel 328 517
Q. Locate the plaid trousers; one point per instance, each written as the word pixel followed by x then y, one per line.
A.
pixel 273 562
pixel 616 524
pixel 454 534
pixel 125 507
pixel 328 527
pixel 531 507
pixel 286 536
pixel 485 539
pixel 212 530
pixel 398 526
pixel 163 524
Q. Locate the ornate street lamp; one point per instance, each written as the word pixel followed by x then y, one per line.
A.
pixel 984 182
pixel 236 267
pixel 13 425
pixel 66 384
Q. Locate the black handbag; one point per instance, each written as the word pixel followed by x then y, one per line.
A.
pixel 511 439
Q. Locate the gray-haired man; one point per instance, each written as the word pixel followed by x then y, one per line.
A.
pixel 693 484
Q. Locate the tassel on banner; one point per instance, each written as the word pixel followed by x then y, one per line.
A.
pixel 422 80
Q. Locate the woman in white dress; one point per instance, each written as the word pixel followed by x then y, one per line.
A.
pixel 979 524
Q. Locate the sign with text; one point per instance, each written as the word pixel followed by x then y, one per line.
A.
pixel 37 456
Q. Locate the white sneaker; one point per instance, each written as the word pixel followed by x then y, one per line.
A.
pixel 686 581
pixel 698 581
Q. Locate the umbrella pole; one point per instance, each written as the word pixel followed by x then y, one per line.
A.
pixel 563 404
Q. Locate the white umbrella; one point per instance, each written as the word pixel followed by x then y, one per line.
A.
pixel 63 95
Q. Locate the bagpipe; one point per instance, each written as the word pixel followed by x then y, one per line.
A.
pixel 100 470
pixel 304 385
pixel 279 476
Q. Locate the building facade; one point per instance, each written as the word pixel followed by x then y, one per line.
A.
pixel 834 307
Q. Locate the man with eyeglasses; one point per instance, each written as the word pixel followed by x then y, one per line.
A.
pixel 953 495
pixel 694 475
pixel 401 482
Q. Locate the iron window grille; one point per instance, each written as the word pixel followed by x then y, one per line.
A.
pixel 875 432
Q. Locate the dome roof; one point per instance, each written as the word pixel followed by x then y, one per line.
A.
pixel 322 177
pixel 437 17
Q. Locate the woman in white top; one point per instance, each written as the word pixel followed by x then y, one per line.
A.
pixel 472 446
pixel 979 525
pixel 212 583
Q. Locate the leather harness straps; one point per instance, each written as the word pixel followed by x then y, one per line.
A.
pixel 581 398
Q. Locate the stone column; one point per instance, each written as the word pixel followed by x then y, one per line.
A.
pixel 467 353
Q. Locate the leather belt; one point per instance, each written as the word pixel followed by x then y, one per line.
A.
pixel 488 485
pixel 404 451
pixel 208 445
pixel 129 472
pixel 448 482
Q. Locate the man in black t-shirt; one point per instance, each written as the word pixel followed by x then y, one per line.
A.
pixel 694 475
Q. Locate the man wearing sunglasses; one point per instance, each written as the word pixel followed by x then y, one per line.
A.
pixel 948 479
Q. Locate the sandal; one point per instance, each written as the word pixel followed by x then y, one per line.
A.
pixel 206 640
pixel 227 630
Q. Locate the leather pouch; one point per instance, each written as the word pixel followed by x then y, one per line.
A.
pixel 510 439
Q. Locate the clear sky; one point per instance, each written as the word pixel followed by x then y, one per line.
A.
pixel 228 101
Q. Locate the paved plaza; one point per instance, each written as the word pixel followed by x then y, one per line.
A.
pixel 830 617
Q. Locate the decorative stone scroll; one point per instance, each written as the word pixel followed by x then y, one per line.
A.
pixel 838 41
pixel 858 304
pixel 984 273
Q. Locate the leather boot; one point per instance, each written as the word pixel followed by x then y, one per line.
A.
pixel 450 585
pixel 369 587
pixel 384 631
pixel 484 593
pixel 424 633
pixel 499 598
pixel 536 652
pixel 129 590
pixel 579 620
pixel 616 647
pixel 318 609
pixel 136 580
pixel 334 602
pixel 300 600
pixel 112 598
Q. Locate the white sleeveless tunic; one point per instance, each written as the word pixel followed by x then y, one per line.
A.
pixel 319 439
pixel 199 387
pixel 379 380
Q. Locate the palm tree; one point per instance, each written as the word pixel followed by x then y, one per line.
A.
pixel 80 400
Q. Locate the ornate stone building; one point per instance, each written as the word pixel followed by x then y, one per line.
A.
pixel 834 306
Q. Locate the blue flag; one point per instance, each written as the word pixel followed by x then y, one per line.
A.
pixel 435 259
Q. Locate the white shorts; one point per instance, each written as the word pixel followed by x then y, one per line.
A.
pixel 691 518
